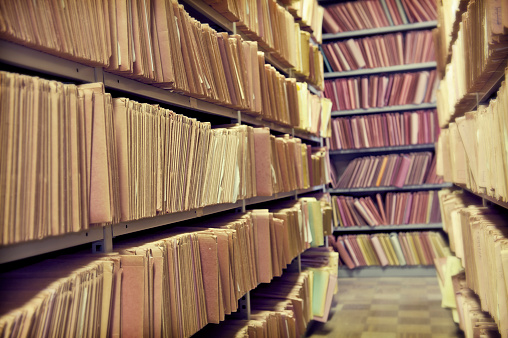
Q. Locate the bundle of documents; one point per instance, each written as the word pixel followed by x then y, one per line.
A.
pixel 471 318
pixel 474 149
pixel 282 308
pixel 379 51
pixel 171 283
pixel 385 130
pixel 358 15
pixel 473 72
pixel 63 297
pixel 389 170
pixel 397 208
pixel 59 161
pixel 323 264
pixel 451 202
pixel 412 248
pixel 309 15
pixel 381 90
pixel 89 159
pixel 485 237
pixel 68 29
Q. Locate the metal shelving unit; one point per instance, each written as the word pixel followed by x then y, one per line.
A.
pixel 382 70
pixel 371 190
pixel 381 30
pixel 401 227
pixel 384 150
pixel 389 109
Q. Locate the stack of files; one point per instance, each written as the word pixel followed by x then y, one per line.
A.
pixel 312 113
pixel 170 163
pixel 359 15
pixel 474 149
pixel 449 18
pixel 309 14
pixel 159 43
pixel 72 31
pixel 389 170
pixel 279 309
pixel 472 72
pixel 380 51
pixel 485 236
pixel 447 269
pixel 451 202
pixel 169 284
pixel 59 162
pixel 385 130
pixel 472 319
pixel 381 90
pixel 282 163
pixel 309 65
pixel 263 21
pixel 320 171
pixel 122 160
pixel 396 209
pixel 323 264
pixel 395 249
pixel 66 297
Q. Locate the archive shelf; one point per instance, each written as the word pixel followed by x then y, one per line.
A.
pixel 388 271
pixel 406 188
pixel 27 58
pixel 381 30
pixel 382 70
pixel 388 109
pixel 23 250
pixel 384 150
pixel 402 227
pixel 484 196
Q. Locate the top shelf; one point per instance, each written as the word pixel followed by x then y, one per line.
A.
pixel 381 30
pixel 24 57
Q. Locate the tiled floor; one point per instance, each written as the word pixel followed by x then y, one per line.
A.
pixel 387 307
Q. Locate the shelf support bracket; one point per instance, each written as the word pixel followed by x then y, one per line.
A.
pixel 244 306
pixel 106 244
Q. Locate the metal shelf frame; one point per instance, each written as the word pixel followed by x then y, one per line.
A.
pixel 360 151
pixel 106 234
pixel 381 30
pixel 390 189
pixel 401 227
pixel 382 70
pixel 389 109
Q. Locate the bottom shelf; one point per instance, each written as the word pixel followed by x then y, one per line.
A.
pixel 388 271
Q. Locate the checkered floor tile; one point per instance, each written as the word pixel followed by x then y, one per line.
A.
pixel 387 307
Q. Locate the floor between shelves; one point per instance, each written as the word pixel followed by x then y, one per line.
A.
pixel 387 307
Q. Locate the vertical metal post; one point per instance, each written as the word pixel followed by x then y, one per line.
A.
pixel 299 263
pixel 106 244
pixel 244 307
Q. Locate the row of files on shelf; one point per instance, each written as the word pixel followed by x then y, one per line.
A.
pixel 169 283
pixel 77 156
